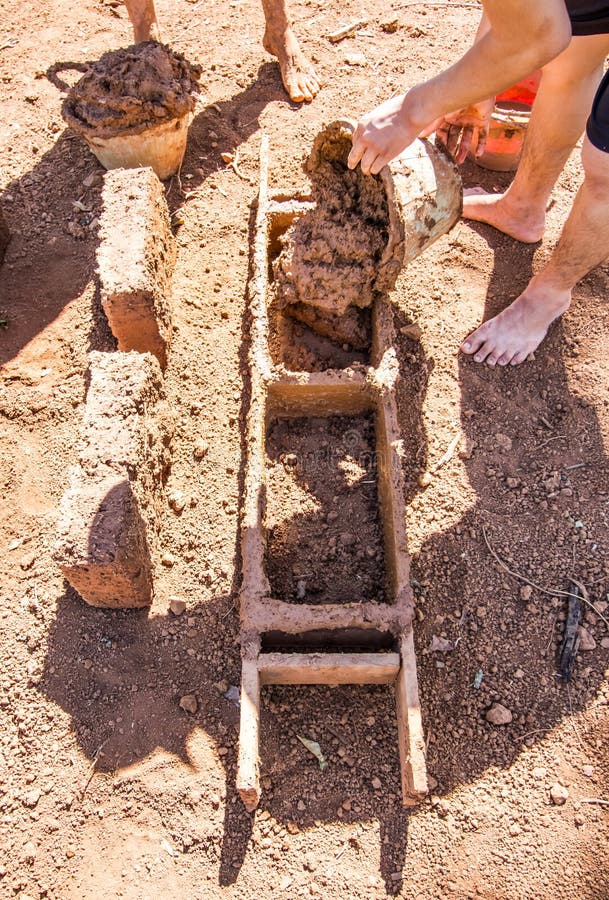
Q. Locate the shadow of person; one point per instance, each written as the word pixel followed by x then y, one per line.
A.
pixel 534 457
pixel 53 212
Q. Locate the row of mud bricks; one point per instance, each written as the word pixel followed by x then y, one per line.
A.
pixel 107 533
pixel 424 195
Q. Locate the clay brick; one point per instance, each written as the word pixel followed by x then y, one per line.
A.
pixel 107 530
pixel 5 237
pixel 135 261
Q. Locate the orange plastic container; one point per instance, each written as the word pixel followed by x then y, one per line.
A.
pixel 509 124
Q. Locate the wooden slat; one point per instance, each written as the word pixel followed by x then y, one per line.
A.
pixel 411 743
pixel 328 668
pixel 248 777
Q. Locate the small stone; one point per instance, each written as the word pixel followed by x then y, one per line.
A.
pixel 414 332
pixel 526 592
pixel 376 783
pixel 425 479
pixel 515 829
pixel 498 715
pixel 466 450
pixel 355 58
pixel 88 664
pixel 559 794
pixel 579 819
pixel 222 686
pixel 346 805
pixel 92 179
pixel 31 798
pixel 481 611
pixel 301 805
pixel 512 482
pixel 519 673
pixel 539 772
pixel 27 561
pixel 29 853
pixel 586 641
pixel 177 501
pixel 605 643
pixel 177 605
pixel 390 27
pixel 347 539
pixel 168 559
pixel 588 771
pixel 189 703
pixel 200 449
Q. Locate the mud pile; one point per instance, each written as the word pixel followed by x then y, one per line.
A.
pixel 131 90
pixel 331 254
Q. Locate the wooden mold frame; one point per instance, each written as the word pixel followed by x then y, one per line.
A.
pixel 275 393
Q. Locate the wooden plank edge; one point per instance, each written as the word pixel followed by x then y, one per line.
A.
pixel 248 774
pixel 328 668
pixel 410 727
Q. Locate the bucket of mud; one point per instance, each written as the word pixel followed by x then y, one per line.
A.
pixel 133 106
pixel 509 123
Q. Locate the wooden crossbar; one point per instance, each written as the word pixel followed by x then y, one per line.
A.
pixel 328 668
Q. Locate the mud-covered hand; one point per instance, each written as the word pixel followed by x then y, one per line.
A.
pixel 464 130
pixel 382 134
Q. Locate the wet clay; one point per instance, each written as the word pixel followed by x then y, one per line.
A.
pixel 132 90
pixel 324 538
pixel 331 254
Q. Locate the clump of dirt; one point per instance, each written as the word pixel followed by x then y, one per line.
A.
pixel 131 90
pixel 331 254
pixel 324 537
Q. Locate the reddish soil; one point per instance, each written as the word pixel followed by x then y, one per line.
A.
pixel 109 787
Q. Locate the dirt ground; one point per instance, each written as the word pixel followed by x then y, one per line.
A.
pixel 109 788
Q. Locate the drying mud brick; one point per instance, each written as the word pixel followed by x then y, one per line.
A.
pixel 135 261
pixel 5 237
pixel 107 531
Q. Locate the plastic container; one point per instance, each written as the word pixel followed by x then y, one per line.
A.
pixel 161 147
pixel 509 123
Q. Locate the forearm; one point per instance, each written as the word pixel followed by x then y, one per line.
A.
pixel 499 58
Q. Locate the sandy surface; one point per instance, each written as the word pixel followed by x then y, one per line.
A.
pixel 109 788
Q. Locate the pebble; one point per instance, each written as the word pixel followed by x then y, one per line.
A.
pixel 414 332
pixel 376 783
pixel 605 643
pixel 539 772
pixel 499 715
pixel 586 641
pixel 168 559
pixel 425 479
pixel 27 561
pixel 92 179
pixel 579 819
pixel 29 852
pixel 177 501
pixel 355 58
pixel 526 592
pixel 559 794
pixel 177 605
pixel 588 771
pixel 189 703
pixel 200 449
pixel 515 829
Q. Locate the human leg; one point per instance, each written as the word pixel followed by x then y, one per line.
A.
pixel 558 118
pixel 143 19
pixel 583 244
pixel 298 76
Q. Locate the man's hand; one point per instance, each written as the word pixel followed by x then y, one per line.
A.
pixel 382 134
pixel 464 130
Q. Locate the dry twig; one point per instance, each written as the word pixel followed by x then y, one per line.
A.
pixel 91 771
pixel 556 592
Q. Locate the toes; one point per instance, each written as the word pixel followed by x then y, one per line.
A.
pixel 485 351
pixel 505 358
pixel 294 90
pixel 473 342
pixel 518 358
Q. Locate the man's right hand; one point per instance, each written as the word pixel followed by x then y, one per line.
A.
pixel 464 130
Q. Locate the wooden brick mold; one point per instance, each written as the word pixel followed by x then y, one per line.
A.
pixel 424 193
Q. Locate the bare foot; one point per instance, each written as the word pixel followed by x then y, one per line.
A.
pixel 500 212
pixel 519 329
pixel 297 74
